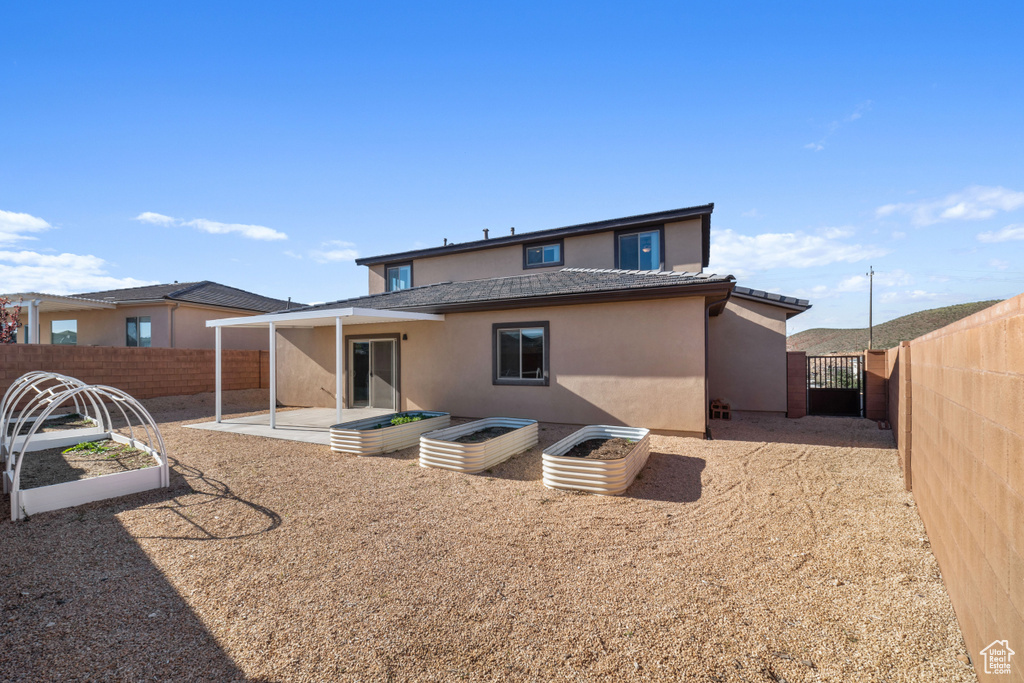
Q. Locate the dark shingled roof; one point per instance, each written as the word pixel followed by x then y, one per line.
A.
pixel 533 288
pixel 768 297
pixel 205 292
pixel 642 220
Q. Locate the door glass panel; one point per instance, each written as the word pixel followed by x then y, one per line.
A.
pixel 533 353
pixel 508 353
pixel 360 374
pixel 382 360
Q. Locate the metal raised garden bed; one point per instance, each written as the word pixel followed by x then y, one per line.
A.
pixel 604 477
pixel 364 437
pixel 440 448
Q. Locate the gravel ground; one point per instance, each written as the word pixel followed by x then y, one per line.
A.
pixel 782 550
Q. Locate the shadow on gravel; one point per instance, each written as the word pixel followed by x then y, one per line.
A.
pixel 840 432
pixel 81 600
pixel 192 491
pixel 670 478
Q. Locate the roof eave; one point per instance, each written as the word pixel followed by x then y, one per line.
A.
pixel 637 294
pixel 661 217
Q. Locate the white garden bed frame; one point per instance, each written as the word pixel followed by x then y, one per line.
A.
pixel 439 449
pixel 92 402
pixel 360 437
pixel 41 387
pixel 603 477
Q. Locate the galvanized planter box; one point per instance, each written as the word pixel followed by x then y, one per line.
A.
pixel 604 477
pixel 360 437
pixel 439 449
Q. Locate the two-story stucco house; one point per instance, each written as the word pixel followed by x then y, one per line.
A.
pixel 608 322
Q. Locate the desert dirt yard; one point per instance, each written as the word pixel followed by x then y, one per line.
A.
pixel 780 550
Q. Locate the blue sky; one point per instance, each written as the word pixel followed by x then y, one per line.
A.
pixel 264 145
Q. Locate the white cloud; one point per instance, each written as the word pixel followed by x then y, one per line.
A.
pixel 860 283
pixel 899 235
pixel 13 226
pixel 742 254
pixel 253 232
pixel 837 233
pixel 753 213
pixel 974 203
pixel 291 254
pixel 833 126
pixel 155 218
pixel 1010 232
pixel 999 264
pixel 29 271
pixel 333 251
pixel 912 295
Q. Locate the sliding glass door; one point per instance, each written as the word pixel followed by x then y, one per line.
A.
pixel 373 368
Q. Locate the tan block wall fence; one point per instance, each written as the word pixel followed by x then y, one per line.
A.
pixel 796 384
pixel 143 373
pixel 956 405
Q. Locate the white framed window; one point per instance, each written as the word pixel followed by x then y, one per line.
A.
pixel 138 331
pixel 399 277
pixel 64 332
pixel 639 250
pixel 521 353
pixel 543 255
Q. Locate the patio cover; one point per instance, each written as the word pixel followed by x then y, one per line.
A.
pixel 37 303
pixel 336 317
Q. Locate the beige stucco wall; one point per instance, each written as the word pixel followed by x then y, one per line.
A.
pixel 747 356
pixel 107 327
pixel 633 363
pixel 682 253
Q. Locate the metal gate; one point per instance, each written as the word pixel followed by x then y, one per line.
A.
pixel 835 385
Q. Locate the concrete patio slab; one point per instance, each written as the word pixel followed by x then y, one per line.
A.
pixel 309 425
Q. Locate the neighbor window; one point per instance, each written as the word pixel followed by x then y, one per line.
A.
pixel 521 353
pixel 64 332
pixel 138 331
pixel 399 276
pixel 542 255
pixel 639 250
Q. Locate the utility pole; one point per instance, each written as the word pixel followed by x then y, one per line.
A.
pixel 871 302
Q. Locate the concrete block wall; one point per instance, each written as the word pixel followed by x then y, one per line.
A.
pixel 144 373
pixel 960 416
pixel 796 384
pixel 900 408
pixel 875 391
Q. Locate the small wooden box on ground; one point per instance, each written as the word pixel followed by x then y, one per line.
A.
pixel 720 410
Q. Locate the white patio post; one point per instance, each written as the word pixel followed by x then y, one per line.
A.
pixel 216 369
pixel 339 359
pixel 273 376
pixel 33 322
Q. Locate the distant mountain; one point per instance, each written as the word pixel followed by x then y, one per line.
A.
pixel 887 335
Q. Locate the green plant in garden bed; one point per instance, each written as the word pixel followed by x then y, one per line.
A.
pixel 401 419
pixel 90 446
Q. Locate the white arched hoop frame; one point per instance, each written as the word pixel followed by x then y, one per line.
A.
pixel 49 392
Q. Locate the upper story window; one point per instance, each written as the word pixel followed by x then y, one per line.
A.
pixel 543 255
pixel 520 353
pixel 64 332
pixel 639 250
pixel 138 331
pixel 399 277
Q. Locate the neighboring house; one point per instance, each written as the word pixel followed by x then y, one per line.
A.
pixel 169 316
pixel 608 322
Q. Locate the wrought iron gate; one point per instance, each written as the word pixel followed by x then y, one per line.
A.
pixel 835 385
